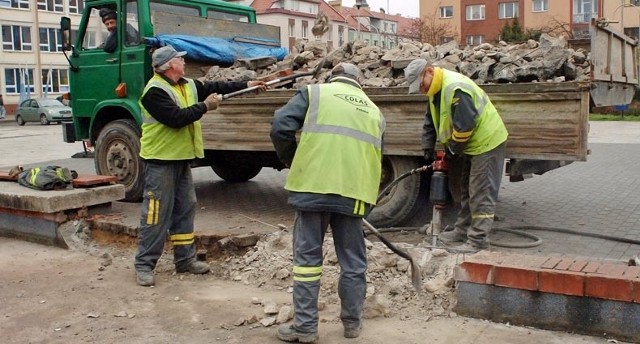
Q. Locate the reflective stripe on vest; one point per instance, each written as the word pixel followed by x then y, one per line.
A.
pixel 489 131
pixel 312 126
pixel 161 142
pixel 340 149
pixel 169 91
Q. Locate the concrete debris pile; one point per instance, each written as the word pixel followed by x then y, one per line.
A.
pixel 547 60
pixel 389 291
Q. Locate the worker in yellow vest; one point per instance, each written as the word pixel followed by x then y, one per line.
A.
pixel 333 181
pixel 172 106
pixel 462 118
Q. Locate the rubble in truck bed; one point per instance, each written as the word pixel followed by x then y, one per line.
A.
pixel 547 60
pixel 389 289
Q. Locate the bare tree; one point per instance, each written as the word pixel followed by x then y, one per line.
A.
pixel 433 31
pixel 555 27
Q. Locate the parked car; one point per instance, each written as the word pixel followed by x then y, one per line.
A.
pixel 44 111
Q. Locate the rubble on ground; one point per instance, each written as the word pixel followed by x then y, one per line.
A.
pixel 389 289
pixel 547 60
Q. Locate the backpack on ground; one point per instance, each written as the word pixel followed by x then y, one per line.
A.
pixel 46 178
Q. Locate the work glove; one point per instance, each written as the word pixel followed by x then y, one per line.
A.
pixel 429 155
pixel 212 101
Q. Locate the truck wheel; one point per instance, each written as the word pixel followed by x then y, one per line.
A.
pixel 398 204
pixel 235 173
pixel 116 154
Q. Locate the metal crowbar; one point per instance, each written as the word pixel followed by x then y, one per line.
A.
pixel 313 72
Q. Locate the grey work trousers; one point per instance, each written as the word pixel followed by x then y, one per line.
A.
pixel 479 185
pixel 308 234
pixel 168 208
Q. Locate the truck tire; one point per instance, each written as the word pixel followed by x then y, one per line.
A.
pixel 399 203
pixel 235 173
pixel 116 154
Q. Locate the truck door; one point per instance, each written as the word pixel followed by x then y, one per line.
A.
pixel 98 72
pixel 133 53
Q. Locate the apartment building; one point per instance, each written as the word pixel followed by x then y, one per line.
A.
pixel 478 21
pixel 347 24
pixel 32 42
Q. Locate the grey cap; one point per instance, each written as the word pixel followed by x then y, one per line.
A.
pixel 413 73
pixel 348 70
pixel 164 54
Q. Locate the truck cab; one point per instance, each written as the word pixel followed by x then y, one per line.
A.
pixel 105 86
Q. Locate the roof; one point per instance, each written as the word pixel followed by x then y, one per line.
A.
pixel 340 13
pixel 264 7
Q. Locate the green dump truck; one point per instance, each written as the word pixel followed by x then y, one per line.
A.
pixel 547 122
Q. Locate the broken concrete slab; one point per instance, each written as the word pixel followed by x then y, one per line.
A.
pixel 36 216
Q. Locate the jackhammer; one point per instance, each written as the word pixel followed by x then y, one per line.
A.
pixel 438 194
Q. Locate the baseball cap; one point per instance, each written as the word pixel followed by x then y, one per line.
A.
pixel 164 54
pixel 413 73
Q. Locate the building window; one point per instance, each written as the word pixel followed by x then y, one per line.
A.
pixel 16 38
pixel 50 40
pixel 15 3
pixel 292 29
pixel 340 35
pixel 57 81
pixel 330 33
pixel 76 6
pixel 446 12
pixel 475 12
pixel 14 79
pixel 540 5
pixel 507 10
pixel 305 28
pixel 475 40
pixel 584 10
pixel 51 5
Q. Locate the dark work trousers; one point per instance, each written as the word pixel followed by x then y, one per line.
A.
pixel 168 208
pixel 308 235
pixel 481 177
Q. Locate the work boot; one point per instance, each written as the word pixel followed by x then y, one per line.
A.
pixel 145 278
pixel 452 236
pixel 352 330
pixel 195 267
pixel 288 333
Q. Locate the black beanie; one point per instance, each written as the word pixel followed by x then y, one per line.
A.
pixel 107 13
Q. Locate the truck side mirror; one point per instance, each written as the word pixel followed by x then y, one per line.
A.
pixel 65 28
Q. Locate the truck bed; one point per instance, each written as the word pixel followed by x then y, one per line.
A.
pixel 546 121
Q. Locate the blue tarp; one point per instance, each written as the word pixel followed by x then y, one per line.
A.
pixel 219 50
